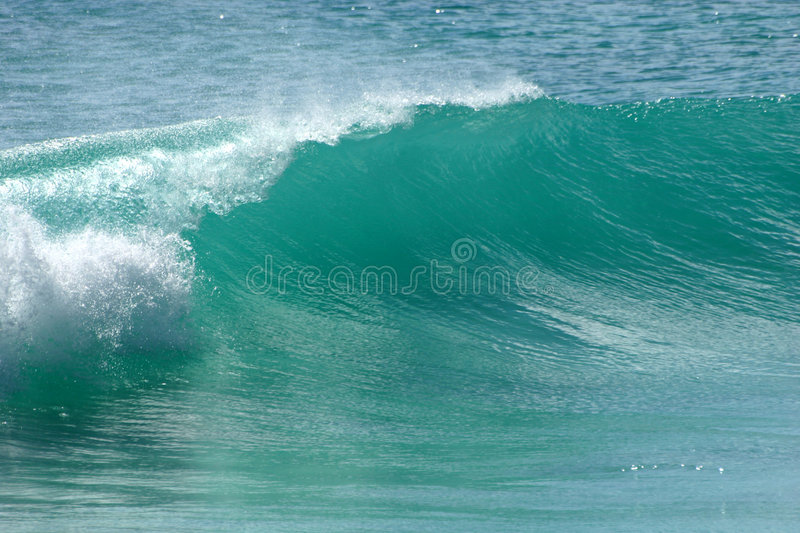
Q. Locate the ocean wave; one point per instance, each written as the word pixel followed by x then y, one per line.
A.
pixel 688 204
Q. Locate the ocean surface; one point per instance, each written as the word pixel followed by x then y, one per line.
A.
pixel 411 266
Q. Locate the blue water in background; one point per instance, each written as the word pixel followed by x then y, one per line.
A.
pixel 73 68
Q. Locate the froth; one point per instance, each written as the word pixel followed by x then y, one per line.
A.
pixel 88 290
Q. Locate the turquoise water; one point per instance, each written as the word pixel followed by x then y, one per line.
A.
pixel 350 267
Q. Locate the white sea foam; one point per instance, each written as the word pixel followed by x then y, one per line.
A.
pixel 88 290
